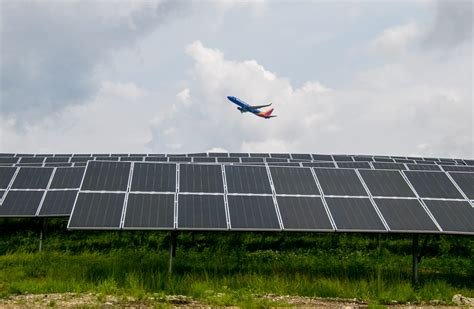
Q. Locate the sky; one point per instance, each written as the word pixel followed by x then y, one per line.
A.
pixel 344 77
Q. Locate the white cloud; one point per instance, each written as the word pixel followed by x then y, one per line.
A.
pixel 396 40
pixel 184 96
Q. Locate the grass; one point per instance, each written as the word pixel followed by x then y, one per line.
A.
pixel 232 268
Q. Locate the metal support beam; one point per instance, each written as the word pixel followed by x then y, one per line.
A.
pixel 42 224
pixel 173 244
pixel 414 250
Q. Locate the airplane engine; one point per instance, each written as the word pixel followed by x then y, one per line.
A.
pixel 240 109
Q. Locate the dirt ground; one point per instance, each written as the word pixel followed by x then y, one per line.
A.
pixel 91 300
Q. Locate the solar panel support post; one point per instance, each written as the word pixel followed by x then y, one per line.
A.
pixel 42 224
pixel 173 243
pixel 415 259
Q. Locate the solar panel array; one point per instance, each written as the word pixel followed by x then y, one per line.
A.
pixel 217 191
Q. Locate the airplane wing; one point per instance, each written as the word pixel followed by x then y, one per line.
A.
pixel 259 106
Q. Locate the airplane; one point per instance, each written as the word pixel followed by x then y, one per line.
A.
pixel 244 107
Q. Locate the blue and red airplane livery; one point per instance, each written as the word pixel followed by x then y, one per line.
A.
pixel 244 107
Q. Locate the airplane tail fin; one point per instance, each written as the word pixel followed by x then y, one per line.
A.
pixel 268 114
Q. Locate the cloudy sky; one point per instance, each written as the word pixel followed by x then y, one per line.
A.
pixel 374 77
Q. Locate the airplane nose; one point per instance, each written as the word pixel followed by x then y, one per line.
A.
pixel 229 97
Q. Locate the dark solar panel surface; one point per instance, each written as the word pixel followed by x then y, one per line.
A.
pixel 288 180
pixel 423 167
pixel 458 168
pixel 301 156
pixel 283 155
pixel 32 178
pixel 97 210
pixel 56 160
pixel 67 178
pixel 58 203
pixel 150 211
pixel 465 181
pixel 6 174
pixel 204 160
pixel 158 177
pixel 353 164
pixel 389 166
pixel 106 176
pixel 21 203
pixel 200 178
pixel 303 213
pixel 156 159
pixel 320 157
pixel 433 185
pixel 386 183
pixel 354 214
pixel 32 160
pixel 201 212
pixel 318 164
pixel 453 216
pixel 343 182
pixel 8 160
pixel 252 212
pixel 247 179
pixel 405 215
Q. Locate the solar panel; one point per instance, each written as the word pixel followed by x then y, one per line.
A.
pixel 252 213
pixel 423 167
pixel 97 210
pixel 342 158
pixel 465 181
pixel 259 155
pixel 131 158
pixel 238 155
pixel 282 155
pixel 218 154
pixel 106 176
pixel 456 168
pixel 157 177
pixel 80 159
pixel 453 216
pixel 228 160
pixel 6 174
pixel 157 159
pixel 32 178
pixel 404 161
pixel 389 166
pixel 433 185
pixel 247 179
pixel 57 160
pixel 343 182
pixel 319 157
pixel 200 178
pixel 303 214
pixel 385 160
pixel 386 183
pixel 32 160
pixel 67 178
pixel 275 160
pixel 353 164
pixel 288 164
pixel 106 158
pixel 179 159
pixel 58 203
pixel 8 160
pixel 58 164
pixel 150 211
pixel 354 214
pixel 204 160
pixel 301 156
pixel 318 164
pixel 201 154
pixel 363 159
pixel 469 162
pixel 404 215
pixel 252 160
pixel 205 212
pixel 294 181
pixel 21 203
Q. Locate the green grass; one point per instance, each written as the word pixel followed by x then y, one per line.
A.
pixel 232 268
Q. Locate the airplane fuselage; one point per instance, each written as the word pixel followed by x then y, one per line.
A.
pixel 244 108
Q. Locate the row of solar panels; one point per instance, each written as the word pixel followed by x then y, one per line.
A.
pixel 137 195
pixel 11 158
pixel 82 161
